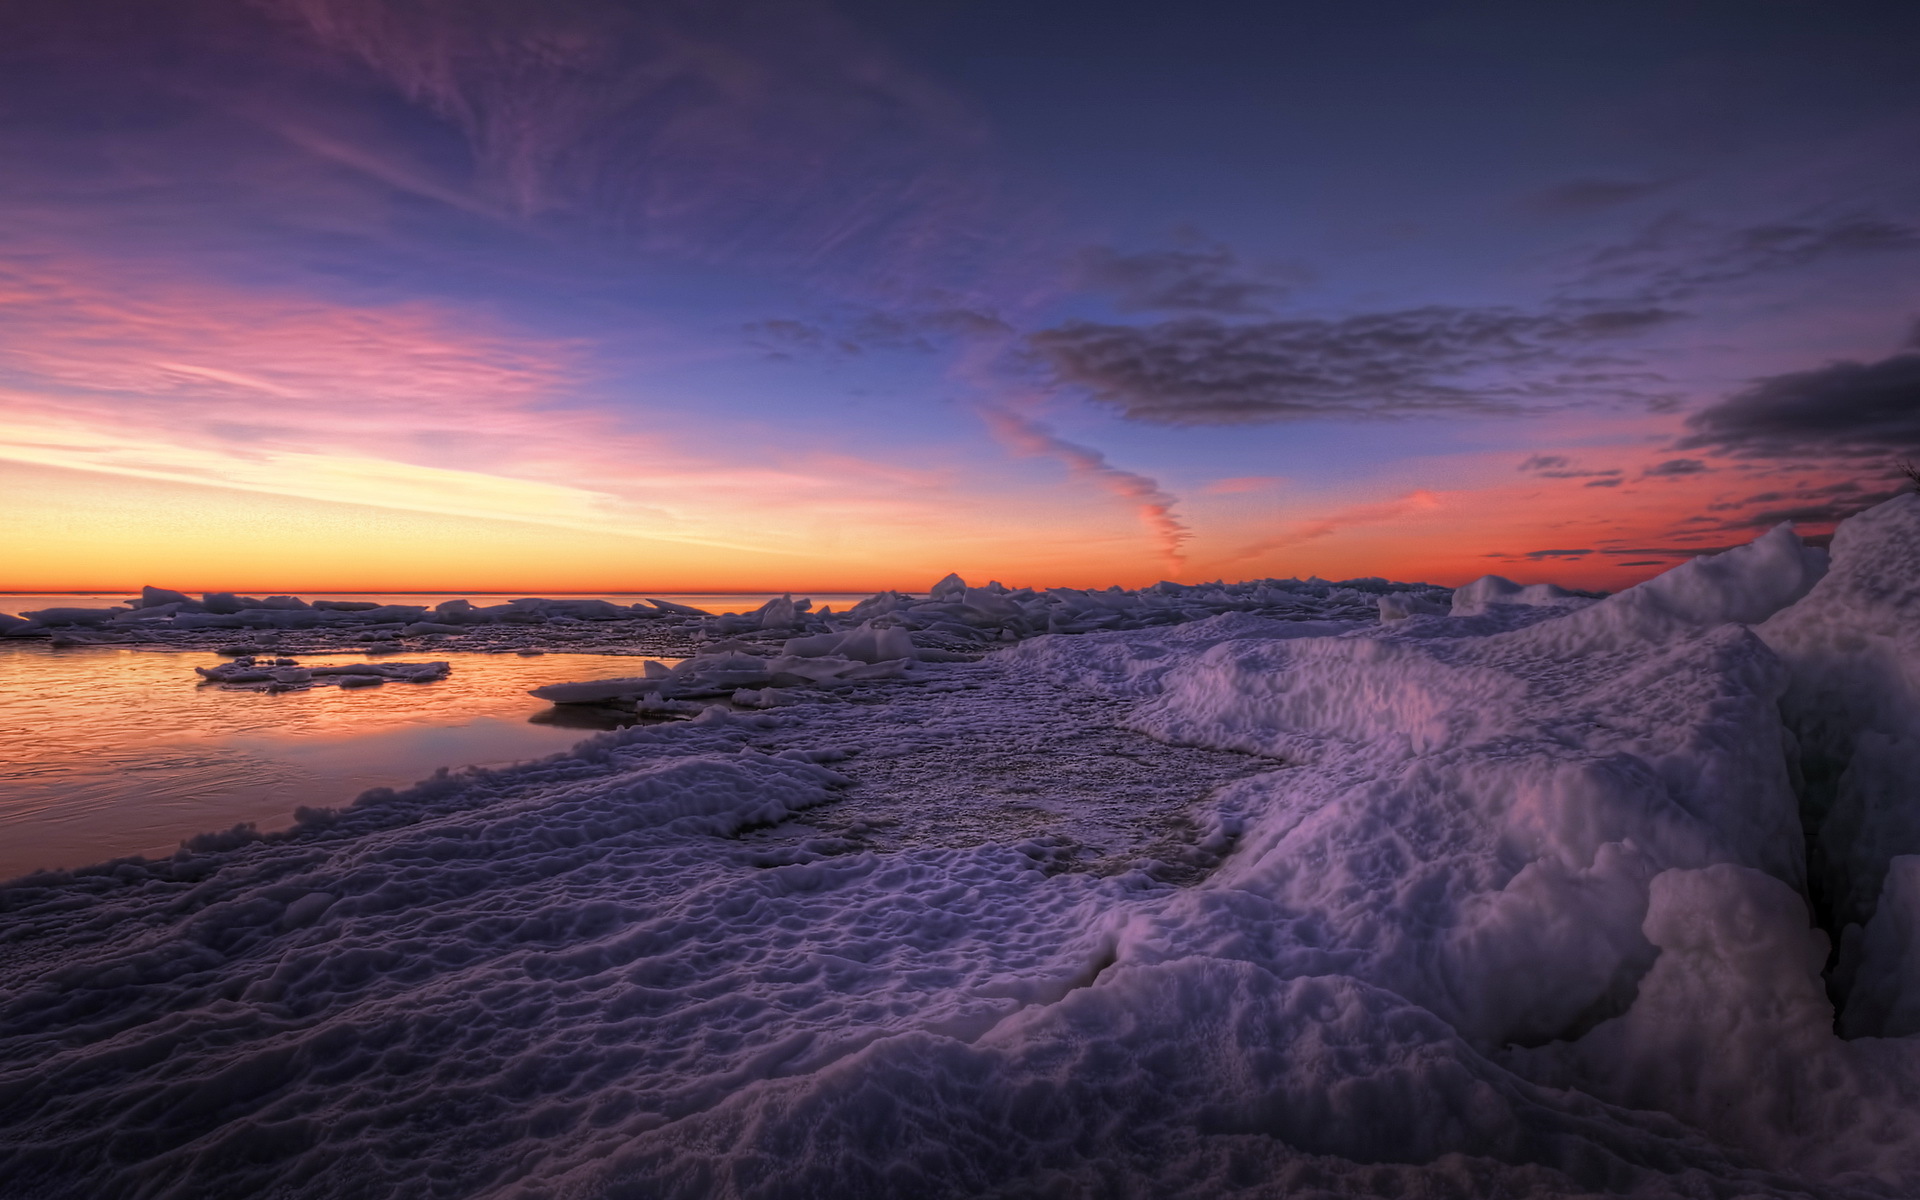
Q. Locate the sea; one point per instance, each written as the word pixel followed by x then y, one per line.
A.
pixel 107 752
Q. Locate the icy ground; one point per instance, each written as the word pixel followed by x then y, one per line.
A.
pixel 1521 894
pixel 952 619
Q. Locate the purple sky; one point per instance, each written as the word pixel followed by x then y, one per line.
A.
pixel 381 294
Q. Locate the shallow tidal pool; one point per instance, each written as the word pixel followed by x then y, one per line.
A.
pixel 107 752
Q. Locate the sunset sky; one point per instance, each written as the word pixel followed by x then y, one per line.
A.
pixel 588 296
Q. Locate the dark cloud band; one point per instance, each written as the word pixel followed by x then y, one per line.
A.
pixel 1846 410
pixel 1433 360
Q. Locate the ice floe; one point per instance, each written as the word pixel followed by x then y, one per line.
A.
pixel 247 672
pixel 1513 892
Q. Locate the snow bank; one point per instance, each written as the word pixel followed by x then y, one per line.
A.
pixel 1853 707
pixel 1745 585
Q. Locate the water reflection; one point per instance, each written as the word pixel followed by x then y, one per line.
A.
pixel 106 752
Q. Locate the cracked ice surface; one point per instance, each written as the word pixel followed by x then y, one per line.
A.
pixel 1509 897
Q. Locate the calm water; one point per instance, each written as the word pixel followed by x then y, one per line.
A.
pixel 107 752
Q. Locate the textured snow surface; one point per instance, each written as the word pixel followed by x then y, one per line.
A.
pixel 1523 895
pixel 953 621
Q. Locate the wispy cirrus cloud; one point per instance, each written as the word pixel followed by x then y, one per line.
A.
pixel 770 130
pixel 562 140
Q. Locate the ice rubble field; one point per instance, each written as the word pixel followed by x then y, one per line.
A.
pixel 1525 897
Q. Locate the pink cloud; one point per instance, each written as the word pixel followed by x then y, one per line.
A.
pixel 1153 505
pixel 411 406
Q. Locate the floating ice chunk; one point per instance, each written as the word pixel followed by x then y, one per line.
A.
pixel 778 613
pixel 158 612
pixel 586 610
pixel 74 616
pixel 596 691
pixel 285 674
pixel 153 597
pixel 387 614
pixel 684 610
pixel 864 643
pixel 951 588
pixel 420 627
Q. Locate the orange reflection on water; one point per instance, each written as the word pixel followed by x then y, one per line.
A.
pixel 107 752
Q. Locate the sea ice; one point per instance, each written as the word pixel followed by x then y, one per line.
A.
pixel 1505 893
pixel 249 673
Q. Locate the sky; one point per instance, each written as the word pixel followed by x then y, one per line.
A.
pixel 344 295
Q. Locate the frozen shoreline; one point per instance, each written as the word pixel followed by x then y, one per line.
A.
pixel 952 619
pixel 1509 892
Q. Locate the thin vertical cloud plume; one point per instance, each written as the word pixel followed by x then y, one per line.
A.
pixel 1152 504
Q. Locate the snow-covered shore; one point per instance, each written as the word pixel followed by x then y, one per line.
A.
pixel 952 618
pixel 1350 892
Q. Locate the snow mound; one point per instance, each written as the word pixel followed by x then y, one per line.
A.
pixel 1475 598
pixel 1744 585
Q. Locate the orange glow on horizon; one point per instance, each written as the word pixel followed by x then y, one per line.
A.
pixel 207 438
pixel 66 527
